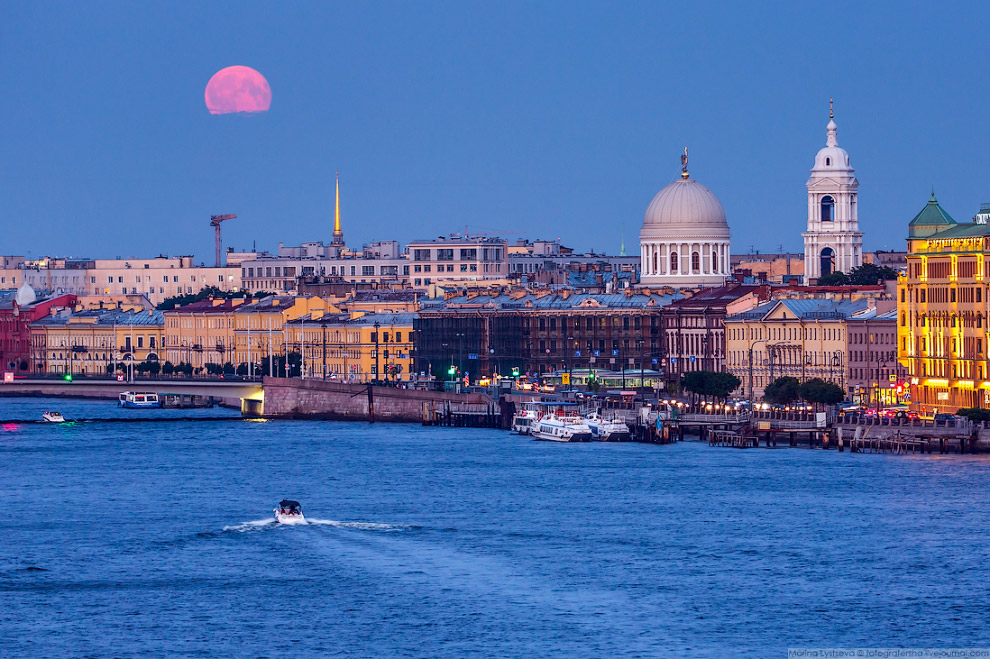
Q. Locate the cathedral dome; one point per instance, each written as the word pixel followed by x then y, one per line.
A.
pixel 25 295
pixel 685 208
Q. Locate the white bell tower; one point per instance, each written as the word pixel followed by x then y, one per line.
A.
pixel 833 241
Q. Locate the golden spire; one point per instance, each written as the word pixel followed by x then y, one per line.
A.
pixel 338 235
pixel 831 114
pixel 684 171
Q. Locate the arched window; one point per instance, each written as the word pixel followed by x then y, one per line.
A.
pixel 714 260
pixel 695 262
pixel 828 207
pixel 827 261
pixel 828 161
pixel 673 262
pixel 656 258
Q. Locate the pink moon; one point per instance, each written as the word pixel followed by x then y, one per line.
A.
pixel 238 89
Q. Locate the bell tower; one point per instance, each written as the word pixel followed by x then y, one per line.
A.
pixel 833 241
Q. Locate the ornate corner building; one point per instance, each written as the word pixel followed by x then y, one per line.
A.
pixel 943 307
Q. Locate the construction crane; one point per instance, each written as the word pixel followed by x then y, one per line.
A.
pixel 215 221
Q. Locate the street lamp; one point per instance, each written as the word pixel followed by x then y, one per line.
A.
pixel 751 346
pixel 323 326
pixel 377 325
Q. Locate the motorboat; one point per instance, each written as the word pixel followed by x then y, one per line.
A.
pixel 607 430
pixel 289 512
pixel 138 399
pixel 559 426
pixel 53 417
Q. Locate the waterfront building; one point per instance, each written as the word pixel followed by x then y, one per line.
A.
pixel 259 326
pixel 95 341
pixel 18 309
pixel 943 311
pixel 874 376
pixel 693 328
pixel 482 333
pixel 354 347
pixel 156 278
pixel 802 338
pixel 457 257
pixel 833 241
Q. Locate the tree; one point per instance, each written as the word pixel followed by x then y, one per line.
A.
pixel 711 384
pixel 818 391
pixel 837 278
pixel 213 369
pixel 168 368
pixel 782 391
pixel 242 368
pixel 228 368
pixel 870 274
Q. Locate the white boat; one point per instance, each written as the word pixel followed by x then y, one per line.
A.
pixel 610 430
pixel 524 420
pixel 138 399
pixel 561 427
pixel 53 417
pixel 289 512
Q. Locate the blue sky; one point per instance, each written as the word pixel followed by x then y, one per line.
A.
pixel 558 119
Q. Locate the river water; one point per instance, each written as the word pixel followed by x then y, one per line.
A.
pixel 156 539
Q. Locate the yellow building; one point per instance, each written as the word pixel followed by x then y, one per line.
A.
pixel 942 312
pixel 95 342
pixel 801 338
pixel 354 347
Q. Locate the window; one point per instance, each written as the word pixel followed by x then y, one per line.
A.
pixel 421 254
pixel 673 262
pixel 828 206
pixel 367 270
pixel 469 254
pixel 427 268
pixel 445 255
pixel 827 261
pixel 417 268
pixel 695 262
pixel 464 267
pixel 714 260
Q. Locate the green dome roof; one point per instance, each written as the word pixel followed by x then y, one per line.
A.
pixel 931 219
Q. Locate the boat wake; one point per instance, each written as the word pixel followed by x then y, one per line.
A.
pixel 261 524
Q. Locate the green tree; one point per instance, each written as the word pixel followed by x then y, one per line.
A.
pixel 214 369
pixel 168 368
pixel 870 274
pixel 715 385
pixel 837 278
pixel 228 367
pixel 782 391
pixel 820 392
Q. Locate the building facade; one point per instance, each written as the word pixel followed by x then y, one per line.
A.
pixel 18 310
pixel 95 342
pixel 457 258
pixel 943 310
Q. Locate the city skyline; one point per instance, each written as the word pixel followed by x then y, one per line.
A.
pixel 563 125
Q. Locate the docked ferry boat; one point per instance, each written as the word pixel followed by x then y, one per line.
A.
pixel 138 399
pixel 289 512
pixel 562 426
pixel 525 419
pixel 603 430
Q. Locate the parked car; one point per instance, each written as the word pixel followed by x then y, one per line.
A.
pixel 948 420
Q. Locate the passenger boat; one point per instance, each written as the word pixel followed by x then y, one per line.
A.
pixel 289 512
pixel 559 426
pixel 603 430
pixel 138 399
pixel 524 420
pixel 53 417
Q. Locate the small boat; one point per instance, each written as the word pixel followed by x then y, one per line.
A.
pixel 53 417
pixel 558 427
pixel 289 512
pixel 138 399
pixel 603 430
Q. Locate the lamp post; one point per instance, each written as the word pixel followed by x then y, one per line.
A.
pixel 376 326
pixel 751 346
pixel 323 326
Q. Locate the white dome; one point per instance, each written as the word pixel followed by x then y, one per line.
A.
pixel 25 295
pixel 832 157
pixel 685 208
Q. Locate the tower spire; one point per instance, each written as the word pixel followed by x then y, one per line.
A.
pixel 684 161
pixel 338 235
pixel 831 113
